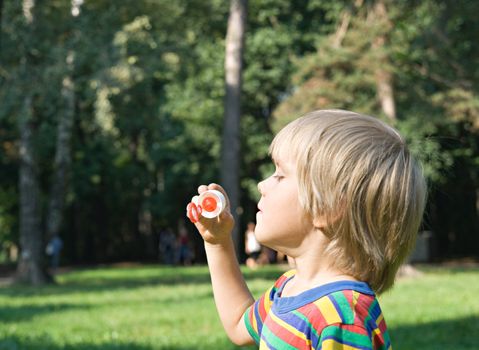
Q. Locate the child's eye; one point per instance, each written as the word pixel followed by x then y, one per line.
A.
pixel 278 177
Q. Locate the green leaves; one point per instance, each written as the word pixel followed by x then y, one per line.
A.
pixel 149 89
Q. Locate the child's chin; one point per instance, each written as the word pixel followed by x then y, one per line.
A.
pixel 259 234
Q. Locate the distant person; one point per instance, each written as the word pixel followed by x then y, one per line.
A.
pixel 54 248
pixel 252 247
pixel 167 246
pixel 268 255
pixel 271 256
pixel 184 255
pixel 345 203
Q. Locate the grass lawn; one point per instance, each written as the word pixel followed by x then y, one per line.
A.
pixel 152 307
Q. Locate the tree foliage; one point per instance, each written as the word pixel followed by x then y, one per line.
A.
pixel 149 87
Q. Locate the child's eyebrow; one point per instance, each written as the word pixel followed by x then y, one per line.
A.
pixel 278 164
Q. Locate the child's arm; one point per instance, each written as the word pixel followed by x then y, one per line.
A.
pixel 231 294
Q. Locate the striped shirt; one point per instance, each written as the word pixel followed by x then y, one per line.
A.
pixel 339 315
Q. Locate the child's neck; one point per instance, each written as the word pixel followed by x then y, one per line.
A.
pixel 311 274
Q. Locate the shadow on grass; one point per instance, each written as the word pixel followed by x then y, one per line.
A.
pixel 99 280
pixel 12 343
pixel 26 312
pixel 103 280
pixel 448 270
pixel 457 334
pixel 13 314
pixel 454 334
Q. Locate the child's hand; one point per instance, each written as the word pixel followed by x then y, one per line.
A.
pixel 216 230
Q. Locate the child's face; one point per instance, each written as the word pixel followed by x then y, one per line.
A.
pixel 280 222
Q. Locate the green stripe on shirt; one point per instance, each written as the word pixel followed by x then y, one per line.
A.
pixel 274 341
pixel 344 306
pixel 345 336
pixel 249 327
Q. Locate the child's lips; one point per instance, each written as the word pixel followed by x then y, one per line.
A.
pixel 260 207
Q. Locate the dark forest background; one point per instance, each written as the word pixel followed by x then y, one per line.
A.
pixel 111 112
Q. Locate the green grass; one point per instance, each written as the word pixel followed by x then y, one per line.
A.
pixel 151 307
pixel 438 310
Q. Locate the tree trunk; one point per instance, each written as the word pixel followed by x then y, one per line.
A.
pixel 145 227
pixel 62 157
pixel 384 77
pixel 31 266
pixel 230 158
pixel 1 17
pixel 344 22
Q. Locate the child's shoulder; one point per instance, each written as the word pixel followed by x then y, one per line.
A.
pixel 346 302
pixel 346 306
pixel 342 313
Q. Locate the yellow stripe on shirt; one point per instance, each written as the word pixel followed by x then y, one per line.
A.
pixel 328 310
pixel 290 328
pixel 379 319
pixel 255 324
pixel 267 300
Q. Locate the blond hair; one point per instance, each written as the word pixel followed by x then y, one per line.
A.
pixel 356 172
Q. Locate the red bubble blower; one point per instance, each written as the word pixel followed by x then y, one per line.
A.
pixel 212 203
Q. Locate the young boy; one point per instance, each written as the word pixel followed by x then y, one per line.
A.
pixel 345 202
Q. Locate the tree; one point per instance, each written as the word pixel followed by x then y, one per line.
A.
pixel 230 157
pixel 410 63
pixel 383 74
pixel 31 266
pixel 62 162
pixel 147 90
pixel 1 17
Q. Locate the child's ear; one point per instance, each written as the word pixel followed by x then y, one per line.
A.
pixel 320 222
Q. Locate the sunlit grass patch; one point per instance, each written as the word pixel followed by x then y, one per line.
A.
pixel 153 307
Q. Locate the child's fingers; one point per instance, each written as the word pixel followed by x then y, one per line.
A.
pixel 189 212
pixel 194 212
pixel 202 189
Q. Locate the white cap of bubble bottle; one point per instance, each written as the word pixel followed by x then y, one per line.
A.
pixel 212 203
